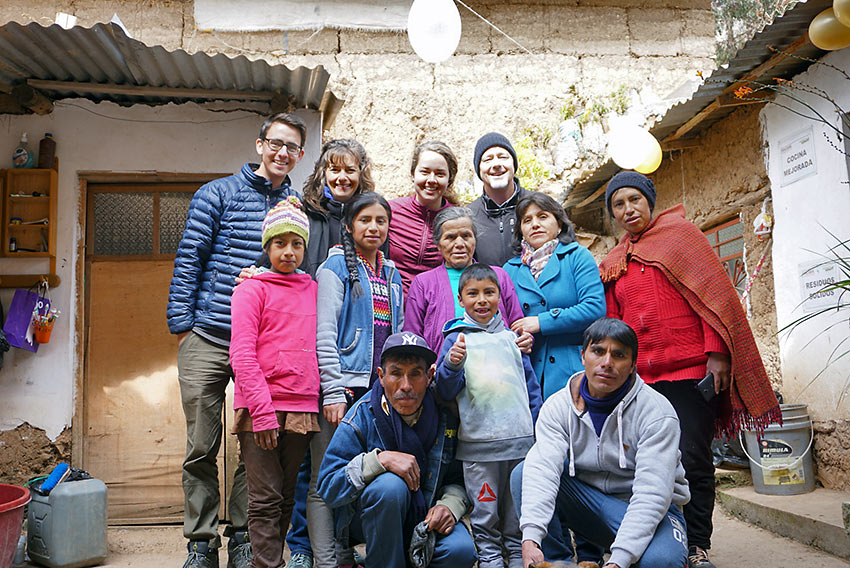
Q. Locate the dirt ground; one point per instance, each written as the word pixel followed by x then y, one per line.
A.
pixel 735 544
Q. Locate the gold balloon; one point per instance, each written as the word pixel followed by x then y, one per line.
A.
pixel 842 11
pixel 652 159
pixel 827 33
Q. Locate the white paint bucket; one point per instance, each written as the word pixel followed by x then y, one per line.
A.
pixel 781 457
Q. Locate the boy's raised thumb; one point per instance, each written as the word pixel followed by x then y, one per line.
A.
pixel 461 338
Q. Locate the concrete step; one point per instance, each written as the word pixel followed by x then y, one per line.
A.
pixel 814 519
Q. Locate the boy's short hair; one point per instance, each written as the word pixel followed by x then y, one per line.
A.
pixel 612 328
pixel 478 272
pixel 289 119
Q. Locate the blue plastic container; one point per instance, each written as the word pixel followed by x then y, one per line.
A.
pixel 67 528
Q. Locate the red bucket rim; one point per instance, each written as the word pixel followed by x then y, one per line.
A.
pixel 15 503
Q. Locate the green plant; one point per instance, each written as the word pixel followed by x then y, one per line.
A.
pixel 531 172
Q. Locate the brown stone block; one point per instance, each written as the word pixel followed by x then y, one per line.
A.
pixel 579 31
pixel 528 25
pixel 656 31
pixel 353 41
pixel 698 33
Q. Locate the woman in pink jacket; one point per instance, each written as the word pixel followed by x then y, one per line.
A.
pixel 412 249
pixel 276 398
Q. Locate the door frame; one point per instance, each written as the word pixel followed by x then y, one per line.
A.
pixel 78 425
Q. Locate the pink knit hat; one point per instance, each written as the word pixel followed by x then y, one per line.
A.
pixel 286 217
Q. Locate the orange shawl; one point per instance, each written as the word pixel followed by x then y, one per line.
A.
pixel 680 250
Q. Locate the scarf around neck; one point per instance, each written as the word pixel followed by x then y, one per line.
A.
pixel 600 408
pixel 416 440
pixel 678 248
pixel 536 259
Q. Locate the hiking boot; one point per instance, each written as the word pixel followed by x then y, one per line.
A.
pixel 201 555
pixel 589 564
pixel 300 560
pixel 698 558
pixel 239 550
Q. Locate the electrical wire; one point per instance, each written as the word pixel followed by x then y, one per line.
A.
pixel 492 25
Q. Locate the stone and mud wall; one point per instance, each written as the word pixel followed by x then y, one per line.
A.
pixel 394 100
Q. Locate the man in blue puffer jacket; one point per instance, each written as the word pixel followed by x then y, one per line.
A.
pixel 222 235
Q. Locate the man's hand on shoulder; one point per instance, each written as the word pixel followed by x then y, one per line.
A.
pixel 440 519
pixel 531 553
pixel 403 465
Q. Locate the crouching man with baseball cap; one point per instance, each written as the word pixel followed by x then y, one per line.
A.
pixel 390 465
pixel 619 441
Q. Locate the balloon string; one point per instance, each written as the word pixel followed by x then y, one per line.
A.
pixel 492 25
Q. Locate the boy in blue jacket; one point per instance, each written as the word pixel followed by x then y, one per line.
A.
pixel 498 400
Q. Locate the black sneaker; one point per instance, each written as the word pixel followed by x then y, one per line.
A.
pixel 201 555
pixel 698 558
pixel 239 550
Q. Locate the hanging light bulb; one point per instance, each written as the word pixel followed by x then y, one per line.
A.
pixel 433 28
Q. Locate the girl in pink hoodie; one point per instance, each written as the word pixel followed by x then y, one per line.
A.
pixel 276 398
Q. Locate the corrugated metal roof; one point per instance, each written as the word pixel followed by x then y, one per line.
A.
pixel 782 32
pixel 104 54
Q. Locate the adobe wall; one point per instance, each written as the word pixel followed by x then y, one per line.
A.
pixel 394 100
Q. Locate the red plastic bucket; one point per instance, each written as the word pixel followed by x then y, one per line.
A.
pixel 12 501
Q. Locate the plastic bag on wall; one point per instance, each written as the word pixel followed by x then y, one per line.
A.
pixel 19 323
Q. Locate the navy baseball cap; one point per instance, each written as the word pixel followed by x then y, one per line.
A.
pixel 407 343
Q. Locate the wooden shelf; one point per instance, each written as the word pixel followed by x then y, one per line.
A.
pixel 18 202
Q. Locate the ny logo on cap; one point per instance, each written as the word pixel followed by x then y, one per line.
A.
pixel 408 339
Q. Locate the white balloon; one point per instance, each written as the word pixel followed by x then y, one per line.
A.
pixel 433 28
pixel 630 146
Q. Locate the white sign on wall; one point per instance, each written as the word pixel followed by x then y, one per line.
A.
pixel 814 277
pixel 797 157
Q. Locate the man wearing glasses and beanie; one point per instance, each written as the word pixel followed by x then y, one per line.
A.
pixel 222 236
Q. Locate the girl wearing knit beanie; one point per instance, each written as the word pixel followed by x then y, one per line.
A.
pixel 276 395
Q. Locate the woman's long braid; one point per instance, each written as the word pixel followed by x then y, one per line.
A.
pixel 351 262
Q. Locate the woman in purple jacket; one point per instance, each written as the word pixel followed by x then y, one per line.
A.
pixel 432 298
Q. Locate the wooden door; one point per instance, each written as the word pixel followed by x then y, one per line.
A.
pixel 135 432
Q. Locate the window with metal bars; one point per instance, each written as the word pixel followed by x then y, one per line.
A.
pixel 727 239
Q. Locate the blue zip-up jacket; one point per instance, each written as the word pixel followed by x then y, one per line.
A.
pixel 341 480
pixel 497 392
pixel 222 236
pixel 567 297
pixel 346 326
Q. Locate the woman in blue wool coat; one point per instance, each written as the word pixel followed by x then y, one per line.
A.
pixel 558 286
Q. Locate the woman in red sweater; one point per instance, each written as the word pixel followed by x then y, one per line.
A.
pixel 666 282
pixel 412 249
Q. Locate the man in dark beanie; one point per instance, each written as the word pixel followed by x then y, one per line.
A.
pixel 495 164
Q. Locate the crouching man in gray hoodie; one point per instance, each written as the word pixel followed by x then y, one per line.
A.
pixel 619 442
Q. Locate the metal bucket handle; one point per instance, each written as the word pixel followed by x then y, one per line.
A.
pixel 783 466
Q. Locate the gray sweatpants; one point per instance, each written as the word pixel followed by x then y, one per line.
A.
pixel 494 520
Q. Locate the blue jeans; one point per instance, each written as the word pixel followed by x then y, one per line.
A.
pixel 379 522
pixel 298 539
pixel 596 517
